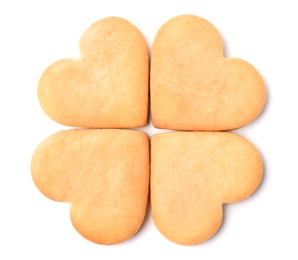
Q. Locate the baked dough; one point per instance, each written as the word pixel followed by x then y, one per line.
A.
pixel 107 87
pixel 193 87
pixel 104 174
pixel 192 175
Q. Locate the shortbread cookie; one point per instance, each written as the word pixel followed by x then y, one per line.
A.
pixel 105 176
pixel 107 87
pixel 193 174
pixel 193 87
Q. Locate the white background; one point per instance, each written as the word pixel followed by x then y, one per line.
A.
pixel 33 34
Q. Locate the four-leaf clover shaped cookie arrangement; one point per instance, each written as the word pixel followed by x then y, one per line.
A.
pixel 105 170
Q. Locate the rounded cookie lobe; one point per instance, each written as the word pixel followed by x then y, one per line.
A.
pixel 193 174
pixel 193 87
pixel 107 87
pixel 104 174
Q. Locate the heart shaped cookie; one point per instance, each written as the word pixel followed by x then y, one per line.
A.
pixel 193 87
pixel 107 87
pixel 104 174
pixel 192 175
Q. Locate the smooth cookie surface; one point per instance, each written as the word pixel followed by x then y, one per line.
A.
pixel 193 87
pixel 192 175
pixel 107 87
pixel 104 174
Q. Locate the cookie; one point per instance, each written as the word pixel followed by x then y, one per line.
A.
pixel 104 174
pixel 192 175
pixel 107 87
pixel 193 87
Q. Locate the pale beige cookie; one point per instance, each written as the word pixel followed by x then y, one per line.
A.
pixel 193 174
pixel 105 176
pixel 107 87
pixel 193 87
